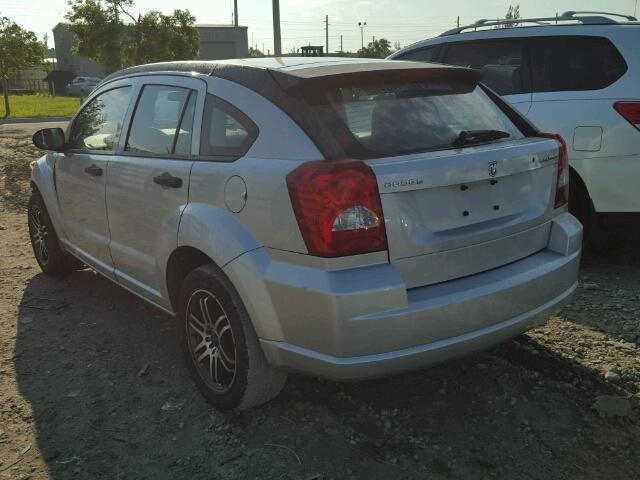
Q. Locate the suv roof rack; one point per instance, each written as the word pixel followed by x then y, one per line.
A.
pixel 584 17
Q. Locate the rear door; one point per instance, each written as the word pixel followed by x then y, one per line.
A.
pixel 577 79
pixel 504 62
pixel 148 182
pixel 93 137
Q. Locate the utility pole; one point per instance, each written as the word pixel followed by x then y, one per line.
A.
pixel 235 12
pixel 341 44
pixel 326 33
pixel 277 41
pixel 362 25
pixel 458 23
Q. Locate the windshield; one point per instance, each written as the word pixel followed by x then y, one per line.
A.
pixel 394 119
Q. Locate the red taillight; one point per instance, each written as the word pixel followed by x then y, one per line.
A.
pixel 630 111
pixel 337 205
pixel 562 180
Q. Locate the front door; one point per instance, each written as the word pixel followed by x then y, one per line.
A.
pixel 81 176
pixel 148 181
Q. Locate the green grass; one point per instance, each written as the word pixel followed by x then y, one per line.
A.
pixel 25 106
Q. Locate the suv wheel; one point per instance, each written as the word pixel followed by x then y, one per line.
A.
pixel 220 346
pixel 53 260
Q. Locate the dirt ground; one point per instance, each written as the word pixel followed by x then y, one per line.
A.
pixel 92 386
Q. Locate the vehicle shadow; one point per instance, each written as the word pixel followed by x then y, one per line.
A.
pixel 111 399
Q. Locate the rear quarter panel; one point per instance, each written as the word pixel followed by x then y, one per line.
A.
pixel 266 218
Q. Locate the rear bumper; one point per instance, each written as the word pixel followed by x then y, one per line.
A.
pixel 355 323
pixel 383 364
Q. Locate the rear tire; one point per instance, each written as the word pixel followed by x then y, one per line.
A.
pixel 50 255
pixel 220 346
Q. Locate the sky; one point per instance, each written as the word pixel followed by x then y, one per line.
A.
pixel 303 21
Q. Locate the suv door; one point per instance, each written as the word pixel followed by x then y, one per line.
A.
pixel 571 78
pixel 504 62
pixel 148 181
pixel 80 177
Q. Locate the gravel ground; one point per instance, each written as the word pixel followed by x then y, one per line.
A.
pixel 92 386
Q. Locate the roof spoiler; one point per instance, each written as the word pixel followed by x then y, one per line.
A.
pixel 370 73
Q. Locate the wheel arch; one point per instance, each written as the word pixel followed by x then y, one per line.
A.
pixel 578 178
pixel 182 260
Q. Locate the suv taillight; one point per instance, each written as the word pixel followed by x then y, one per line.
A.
pixel 630 111
pixel 337 205
pixel 562 180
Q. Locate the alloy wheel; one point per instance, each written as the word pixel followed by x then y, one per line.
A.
pixel 211 340
pixel 39 235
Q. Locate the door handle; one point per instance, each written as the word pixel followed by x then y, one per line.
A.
pixel 94 170
pixel 168 180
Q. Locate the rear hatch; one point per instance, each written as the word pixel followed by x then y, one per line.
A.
pixel 451 214
pixel 465 184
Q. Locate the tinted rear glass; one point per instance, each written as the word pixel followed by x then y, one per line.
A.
pixel 502 62
pixel 397 118
pixel 574 63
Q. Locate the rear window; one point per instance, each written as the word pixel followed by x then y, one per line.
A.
pixel 398 118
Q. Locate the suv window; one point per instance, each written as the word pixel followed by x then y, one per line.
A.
pixel 98 125
pixel 503 63
pixel 162 120
pixel 426 54
pixel 226 131
pixel 568 63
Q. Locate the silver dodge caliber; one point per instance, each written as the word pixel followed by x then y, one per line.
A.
pixel 337 217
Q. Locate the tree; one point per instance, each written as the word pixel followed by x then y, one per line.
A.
pixel 103 35
pixel 19 48
pixel 377 49
pixel 254 52
pixel 512 14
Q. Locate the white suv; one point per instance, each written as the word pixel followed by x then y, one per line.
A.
pixel 342 218
pixel 578 75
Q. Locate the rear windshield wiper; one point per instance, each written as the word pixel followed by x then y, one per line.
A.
pixel 473 137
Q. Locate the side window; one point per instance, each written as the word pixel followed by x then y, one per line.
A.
pixel 502 62
pixel 426 54
pixel 226 131
pixel 99 124
pixel 569 63
pixel 163 121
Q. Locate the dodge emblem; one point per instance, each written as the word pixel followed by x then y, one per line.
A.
pixel 493 169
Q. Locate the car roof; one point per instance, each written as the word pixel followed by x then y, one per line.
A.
pixel 295 66
pixel 275 77
pixel 287 72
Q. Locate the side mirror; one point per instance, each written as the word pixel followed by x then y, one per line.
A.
pixel 49 139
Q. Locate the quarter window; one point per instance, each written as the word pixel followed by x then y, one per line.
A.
pixel 569 63
pixel 502 62
pixel 163 121
pixel 226 131
pixel 99 124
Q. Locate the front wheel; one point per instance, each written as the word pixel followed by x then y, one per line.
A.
pixel 220 346
pixel 51 258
